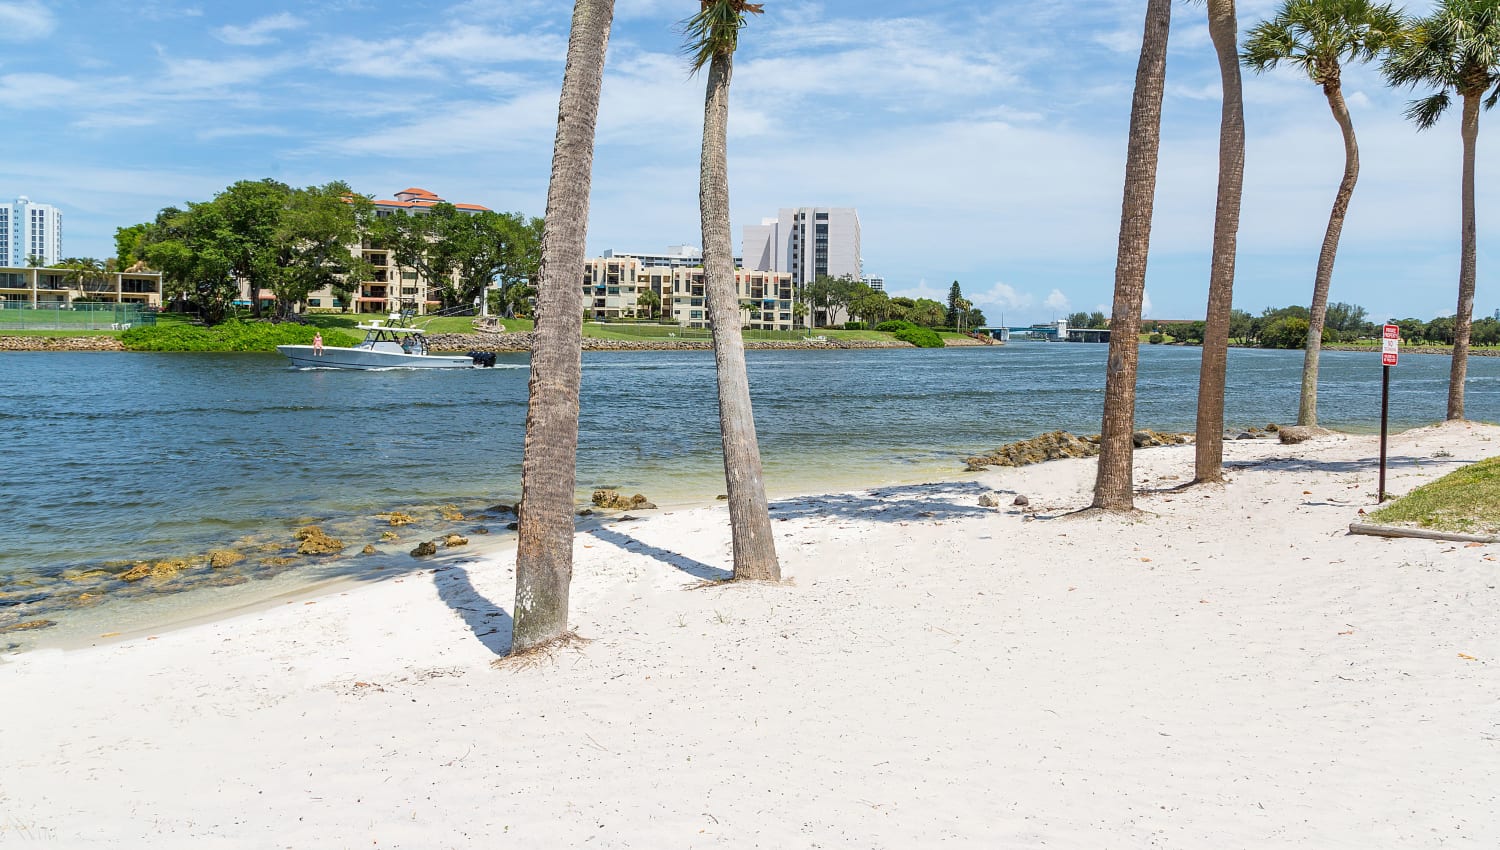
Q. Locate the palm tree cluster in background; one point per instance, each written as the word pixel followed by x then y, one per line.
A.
pixel 1455 50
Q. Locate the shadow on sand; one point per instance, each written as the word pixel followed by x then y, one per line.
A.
pixel 490 623
pixel 676 560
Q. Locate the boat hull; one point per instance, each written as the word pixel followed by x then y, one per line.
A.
pixel 334 357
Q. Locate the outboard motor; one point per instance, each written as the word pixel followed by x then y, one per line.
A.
pixel 484 359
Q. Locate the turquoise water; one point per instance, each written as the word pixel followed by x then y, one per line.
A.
pixel 120 457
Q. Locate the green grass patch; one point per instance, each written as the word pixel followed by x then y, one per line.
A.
pixel 1466 500
pixel 230 336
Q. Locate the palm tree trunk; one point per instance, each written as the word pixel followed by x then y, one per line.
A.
pixel 1113 489
pixel 749 512
pixel 1307 407
pixel 544 554
pixel 1463 322
pixel 1209 459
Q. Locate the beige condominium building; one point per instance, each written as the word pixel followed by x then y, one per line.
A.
pixel 614 284
pixel 60 287
pixel 391 286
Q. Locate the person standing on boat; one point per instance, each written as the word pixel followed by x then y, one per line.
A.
pixel 317 343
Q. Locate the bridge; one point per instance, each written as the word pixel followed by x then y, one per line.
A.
pixel 1057 331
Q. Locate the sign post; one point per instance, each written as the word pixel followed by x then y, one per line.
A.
pixel 1390 350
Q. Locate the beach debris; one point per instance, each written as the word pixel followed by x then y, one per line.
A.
pixel 455 540
pixel 1293 434
pixel 28 626
pixel 397 518
pixel 369 549
pixel 314 541
pixel 989 500
pixel 1021 501
pixel 220 558
pixel 612 500
pixel 451 513
pixel 425 549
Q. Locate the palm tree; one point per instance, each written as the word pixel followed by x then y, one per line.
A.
pixel 1209 451
pixel 1113 490
pixel 650 300
pixel 712 37
pixel 1455 49
pixel 544 552
pixel 1318 37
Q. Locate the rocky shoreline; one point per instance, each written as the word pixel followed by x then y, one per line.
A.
pixel 498 342
pixel 61 343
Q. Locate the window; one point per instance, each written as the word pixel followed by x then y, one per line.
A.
pixel 314 302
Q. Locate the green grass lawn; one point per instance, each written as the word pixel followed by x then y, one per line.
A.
pixel 1466 500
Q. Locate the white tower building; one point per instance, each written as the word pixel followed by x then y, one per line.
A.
pixel 30 230
pixel 806 241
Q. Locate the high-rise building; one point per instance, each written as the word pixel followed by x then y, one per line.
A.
pixel 807 241
pixel 874 281
pixel 30 230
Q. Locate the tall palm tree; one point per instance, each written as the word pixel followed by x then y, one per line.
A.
pixel 1113 490
pixel 712 37
pixel 544 553
pixel 1209 457
pixel 1455 49
pixel 1319 37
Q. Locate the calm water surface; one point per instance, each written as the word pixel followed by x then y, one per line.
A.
pixel 118 457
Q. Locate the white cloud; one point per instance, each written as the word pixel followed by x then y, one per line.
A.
pixel 262 31
pixel 1145 303
pixel 25 20
pixel 1004 296
pixel 1058 301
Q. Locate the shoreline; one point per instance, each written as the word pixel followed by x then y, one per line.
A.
pixel 1098 679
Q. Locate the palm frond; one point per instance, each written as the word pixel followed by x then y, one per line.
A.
pixel 1425 112
pixel 715 30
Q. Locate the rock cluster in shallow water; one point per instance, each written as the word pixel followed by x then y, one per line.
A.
pixel 1056 445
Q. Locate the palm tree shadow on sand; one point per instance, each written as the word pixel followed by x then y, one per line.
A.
pixel 676 560
pixel 490 623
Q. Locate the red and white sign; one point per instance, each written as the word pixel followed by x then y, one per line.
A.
pixel 1390 345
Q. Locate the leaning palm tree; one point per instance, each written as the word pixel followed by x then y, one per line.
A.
pixel 1209 457
pixel 1455 49
pixel 1113 490
pixel 544 551
pixel 712 36
pixel 1319 37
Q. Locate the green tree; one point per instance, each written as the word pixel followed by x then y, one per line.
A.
pixel 1240 324
pixel 871 306
pixel 316 228
pixel 1078 320
pixel 130 245
pixel 927 313
pixel 1443 330
pixel 544 546
pixel 955 295
pixel 1318 37
pixel 1284 332
pixel 1113 488
pixel 650 300
pixel 185 245
pixel 1456 49
pixel 712 36
pixel 1209 443
pixel 1412 330
pixel 1097 320
pixel 250 212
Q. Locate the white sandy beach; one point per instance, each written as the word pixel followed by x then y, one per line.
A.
pixel 1230 669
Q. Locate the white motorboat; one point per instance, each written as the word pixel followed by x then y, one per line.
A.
pixel 385 347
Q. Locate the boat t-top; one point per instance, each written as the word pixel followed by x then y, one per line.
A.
pixel 386 346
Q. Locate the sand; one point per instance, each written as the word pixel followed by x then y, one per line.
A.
pixel 1228 669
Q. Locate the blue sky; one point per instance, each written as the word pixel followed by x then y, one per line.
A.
pixel 980 141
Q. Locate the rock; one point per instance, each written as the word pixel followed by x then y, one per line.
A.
pixel 989 500
pixel 220 558
pixel 389 535
pixel 278 562
pixel 1293 434
pixel 396 518
pixel 369 549
pixel 28 626
pixel 160 569
pixel 584 512
pixel 455 540
pixel 612 500
pixel 316 542
pixel 644 506
pixel 513 526
pixel 721 498
pixel 425 549
pixel 501 509
pixel 1021 501
pixel 1245 435
pixel 1273 427
pixel 480 529
pixel 451 513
